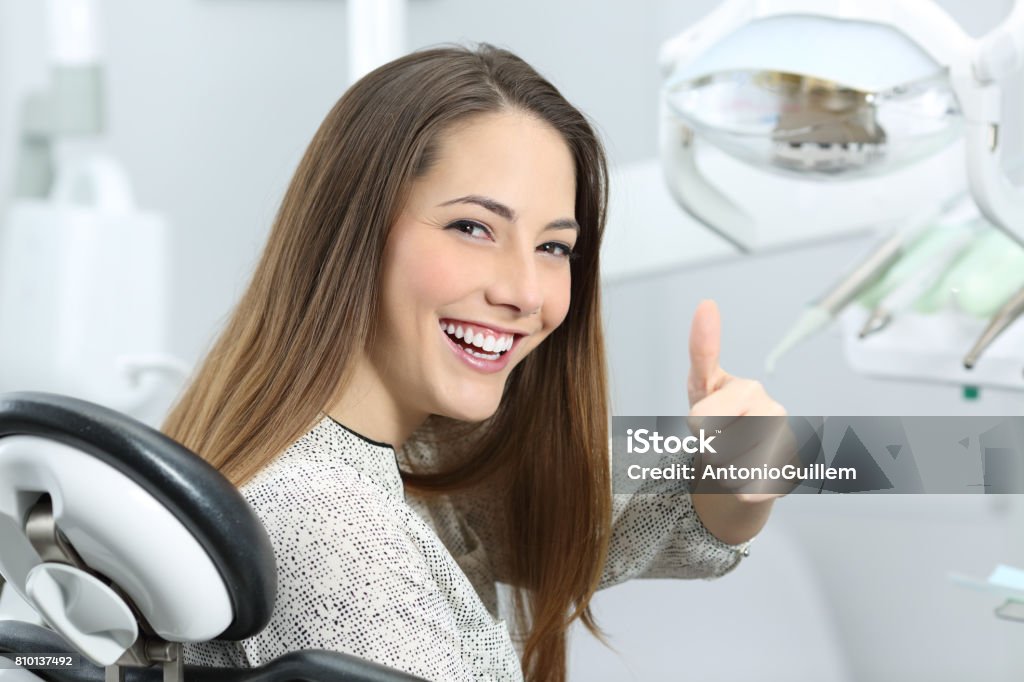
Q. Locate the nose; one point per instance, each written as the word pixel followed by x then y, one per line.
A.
pixel 516 282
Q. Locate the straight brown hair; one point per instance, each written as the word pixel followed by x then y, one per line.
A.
pixel 286 350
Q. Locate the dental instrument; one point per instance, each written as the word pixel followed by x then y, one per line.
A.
pixel 928 341
pixel 920 281
pixel 1006 315
pixel 819 314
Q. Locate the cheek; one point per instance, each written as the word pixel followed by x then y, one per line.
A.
pixel 420 274
pixel 556 299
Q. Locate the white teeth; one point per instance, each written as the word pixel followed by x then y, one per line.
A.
pixel 484 356
pixel 493 345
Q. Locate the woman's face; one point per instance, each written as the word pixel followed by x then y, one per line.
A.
pixel 479 252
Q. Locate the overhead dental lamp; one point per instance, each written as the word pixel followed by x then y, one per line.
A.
pixel 833 91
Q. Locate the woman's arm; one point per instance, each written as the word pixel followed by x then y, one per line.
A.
pixel 658 533
pixel 729 518
pixel 736 516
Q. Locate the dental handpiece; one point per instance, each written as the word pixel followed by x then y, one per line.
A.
pixel 875 265
pixel 820 313
pixel 905 295
pixel 1003 318
pixel 857 280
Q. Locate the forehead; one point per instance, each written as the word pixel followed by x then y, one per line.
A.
pixel 511 156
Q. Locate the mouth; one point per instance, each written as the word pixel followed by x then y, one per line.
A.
pixel 482 344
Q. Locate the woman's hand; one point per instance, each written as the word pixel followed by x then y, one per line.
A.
pixel 716 399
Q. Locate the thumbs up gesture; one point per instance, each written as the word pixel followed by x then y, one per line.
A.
pixel 717 399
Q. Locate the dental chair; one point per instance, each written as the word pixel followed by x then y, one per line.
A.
pixel 127 544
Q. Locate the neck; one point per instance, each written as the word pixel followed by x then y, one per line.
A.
pixel 367 407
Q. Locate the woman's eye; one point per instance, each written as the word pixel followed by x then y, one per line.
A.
pixel 559 249
pixel 475 230
pixel 468 227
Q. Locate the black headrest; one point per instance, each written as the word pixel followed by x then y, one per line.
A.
pixel 193 491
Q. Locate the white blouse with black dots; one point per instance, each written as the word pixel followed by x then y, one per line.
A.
pixel 412 584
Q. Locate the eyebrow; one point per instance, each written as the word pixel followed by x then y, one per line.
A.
pixel 507 213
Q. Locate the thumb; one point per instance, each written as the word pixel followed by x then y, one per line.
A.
pixel 705 345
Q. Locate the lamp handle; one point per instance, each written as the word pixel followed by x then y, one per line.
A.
pixel 998 199
pixel 994 73
pixel 693 191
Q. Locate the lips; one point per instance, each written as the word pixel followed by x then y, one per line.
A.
pixel 483 339
pixel 475 357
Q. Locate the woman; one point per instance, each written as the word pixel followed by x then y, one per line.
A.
pixel 412 395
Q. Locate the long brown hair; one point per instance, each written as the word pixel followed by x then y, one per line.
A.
pixel 287 348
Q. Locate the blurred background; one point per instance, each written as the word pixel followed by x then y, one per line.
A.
pixel 208 106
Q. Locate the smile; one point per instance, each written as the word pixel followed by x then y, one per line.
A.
pixel 482 349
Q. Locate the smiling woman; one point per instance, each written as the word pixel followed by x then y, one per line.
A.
pixel 412 393
pixel 495 268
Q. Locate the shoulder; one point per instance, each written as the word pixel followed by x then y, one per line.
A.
pixel 310 490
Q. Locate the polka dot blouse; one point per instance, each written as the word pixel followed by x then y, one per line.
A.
pixel 411 584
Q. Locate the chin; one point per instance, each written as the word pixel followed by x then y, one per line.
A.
pixel 467 411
